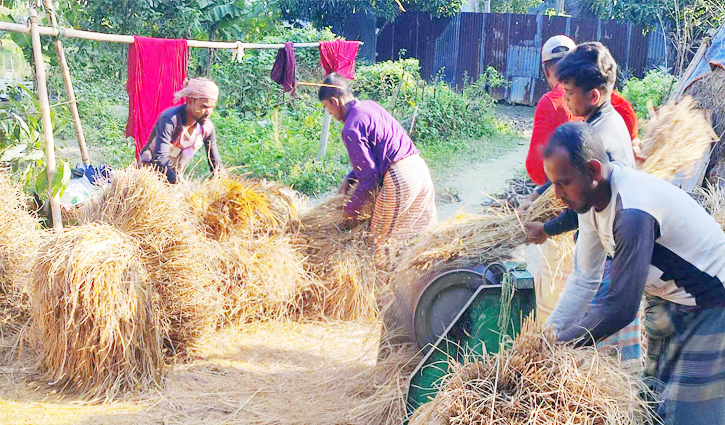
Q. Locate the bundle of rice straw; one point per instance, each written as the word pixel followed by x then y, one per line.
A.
pixel 141 205
pixel 343 261
pixel 259 278
pixel 713 200
pixel 20 237
pixel 475 238
pixel 224 206
pixel 676 137
pixel 538 382
pixel 94 314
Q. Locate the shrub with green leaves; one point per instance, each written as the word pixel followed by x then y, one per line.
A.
pixel 654 87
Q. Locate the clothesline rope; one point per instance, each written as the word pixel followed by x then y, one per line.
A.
pixel 128 39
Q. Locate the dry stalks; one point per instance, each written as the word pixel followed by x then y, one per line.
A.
pixel 259 278
pixel 94 313
pixel 225 206
pixel 140 205
pixel 538 382
pixel 676 137
pixel 343 262
pixel 20 237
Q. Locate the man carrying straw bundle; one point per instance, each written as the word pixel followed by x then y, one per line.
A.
pixel 385 161
pixel 181 130
pixel 662 243
pixel 588 74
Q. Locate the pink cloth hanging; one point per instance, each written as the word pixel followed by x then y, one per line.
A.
pixel 339 56
pixel 157 69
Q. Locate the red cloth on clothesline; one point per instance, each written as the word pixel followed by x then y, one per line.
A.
pixel 339 56
pixel 157 69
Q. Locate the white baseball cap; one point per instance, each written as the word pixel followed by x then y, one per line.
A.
pixel 556 47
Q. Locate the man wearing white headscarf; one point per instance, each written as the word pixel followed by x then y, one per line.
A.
pixel 181 130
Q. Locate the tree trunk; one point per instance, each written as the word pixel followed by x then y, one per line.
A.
pixel 487 6
pixel 210 53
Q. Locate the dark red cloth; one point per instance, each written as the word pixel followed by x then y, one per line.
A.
pixel 625 109
pixel 283 70
pixel 156 70
pixel 339 56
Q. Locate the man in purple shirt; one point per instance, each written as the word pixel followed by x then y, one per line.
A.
pixel 387 168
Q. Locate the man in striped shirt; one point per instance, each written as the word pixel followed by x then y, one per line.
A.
pixel 662 244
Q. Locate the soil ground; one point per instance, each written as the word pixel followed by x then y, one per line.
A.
pixel 289 373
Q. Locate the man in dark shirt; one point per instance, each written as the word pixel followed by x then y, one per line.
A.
pixel 662 244
pixel 180 131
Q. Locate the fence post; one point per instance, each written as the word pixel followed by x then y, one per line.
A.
pixel 324 135
pixel 47 125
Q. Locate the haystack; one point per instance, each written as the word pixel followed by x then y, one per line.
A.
pixel 538 381
pixel 225 206
pixel 343 261
pixel 260 278
pixel 94 313
pixel 140 205
pixel 709 94
pixel 676 136
pixel 19 239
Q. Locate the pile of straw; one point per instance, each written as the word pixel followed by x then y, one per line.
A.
pixel 225 206
pixel 343 262
pixel 676 137
pixel 536 381
pixel 259 278
pixel 94 313
pixel 20 237
pixel 713 199
pixel 475 238
pixel 141 205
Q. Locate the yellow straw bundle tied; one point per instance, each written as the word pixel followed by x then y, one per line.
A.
pixel 94 313
pixel 676 137
pixel 19 239
pixel 225 206
pixel 479 238
pixel 342 260
pixel 140 205
pixel 538 382
pixel 259 278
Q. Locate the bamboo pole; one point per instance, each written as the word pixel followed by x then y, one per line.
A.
pixel 69 90
pixel 47 125
pixel 324 135
pixel 128 39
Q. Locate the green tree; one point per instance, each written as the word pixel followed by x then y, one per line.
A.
pixel 327 12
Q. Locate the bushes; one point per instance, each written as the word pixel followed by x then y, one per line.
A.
pixel 655 87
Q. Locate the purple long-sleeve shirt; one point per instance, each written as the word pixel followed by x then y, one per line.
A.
pixel 375 140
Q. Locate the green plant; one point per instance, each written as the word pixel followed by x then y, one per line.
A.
pixel 655 87
pixel 22 144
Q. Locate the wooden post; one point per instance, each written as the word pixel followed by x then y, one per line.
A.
pixel 69 89
pixel 47 125
pixel 324 135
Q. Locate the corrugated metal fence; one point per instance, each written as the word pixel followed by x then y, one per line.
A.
pixel 459 49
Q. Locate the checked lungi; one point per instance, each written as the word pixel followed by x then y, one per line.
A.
pixel 686 362
pixel 405 205
pixel 627 341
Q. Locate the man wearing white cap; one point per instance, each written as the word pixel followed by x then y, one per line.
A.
pixel 181 130
pixel 551 111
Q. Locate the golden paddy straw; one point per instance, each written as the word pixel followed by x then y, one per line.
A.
pixel 19 239
pixel 259 278
pixel 536 381
pixel 94 313
pixel 343 262
pixel 676 137
pixel 140 205
pixel 225 206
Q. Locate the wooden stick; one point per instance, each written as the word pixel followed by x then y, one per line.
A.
pixel 69 90
pixel 324 135
pixel 128 39
pixel 47 125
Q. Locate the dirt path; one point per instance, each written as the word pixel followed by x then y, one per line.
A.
pixel 468 188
